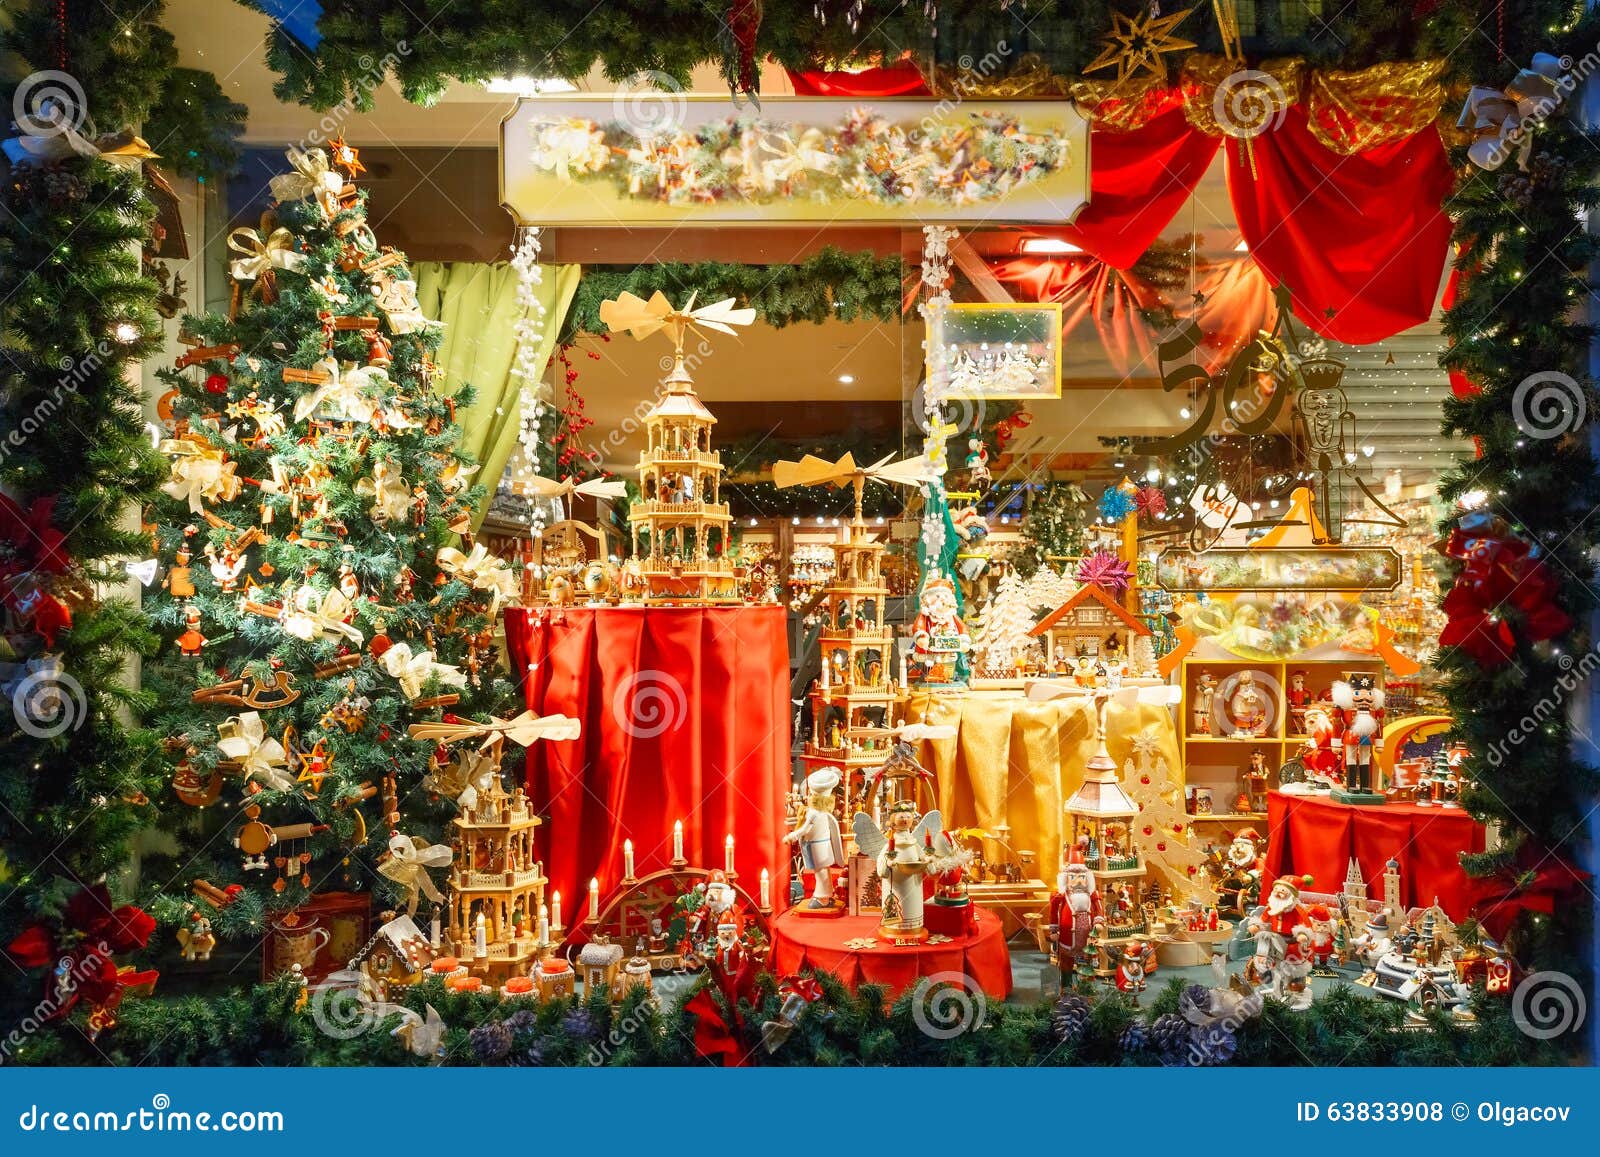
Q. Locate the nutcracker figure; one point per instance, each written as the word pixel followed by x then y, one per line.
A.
pixel 821 849
pixel 1073 910
pixel 1360 702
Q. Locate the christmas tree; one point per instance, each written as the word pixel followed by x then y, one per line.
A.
pixel 1162 829
pixel 1003 637
pixel 322 591
pixel 1047 589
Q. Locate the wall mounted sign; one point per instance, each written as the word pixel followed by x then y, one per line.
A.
pixel 1284 569
pixel 646 158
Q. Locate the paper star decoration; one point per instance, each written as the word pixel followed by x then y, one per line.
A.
pixel 1137 43
pixel 346 157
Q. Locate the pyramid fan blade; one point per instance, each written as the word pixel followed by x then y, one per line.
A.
pixel 910 472
pixel 603 487
pixel 716 325
pixel 543 487
pixel 724 312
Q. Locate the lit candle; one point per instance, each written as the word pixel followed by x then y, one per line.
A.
pixel 480 937
pixel 594 900
pixel 727 854
pixel 544 924
pixel 627 859
pixel 677 839
pixel 555 909
pixel 766 889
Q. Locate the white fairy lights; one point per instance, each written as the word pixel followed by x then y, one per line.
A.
pixel 529 332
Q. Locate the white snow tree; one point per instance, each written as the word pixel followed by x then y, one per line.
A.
pixel 1003 636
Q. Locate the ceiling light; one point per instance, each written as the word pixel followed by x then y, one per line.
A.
pixel 847 379
pixel 528 85
pixel 1048 245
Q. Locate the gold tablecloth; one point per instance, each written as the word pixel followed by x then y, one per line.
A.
pixel 1015 762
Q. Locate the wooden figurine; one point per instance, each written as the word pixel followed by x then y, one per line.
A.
pixel 821 849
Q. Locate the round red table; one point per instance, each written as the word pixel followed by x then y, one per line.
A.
pixel 818 943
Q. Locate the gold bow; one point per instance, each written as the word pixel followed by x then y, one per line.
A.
pixel 311 179
pixel 243 738
pixel 414 670
pixel 1502 120
pixel 391 497
pixel 315 614
pixel 481 571
pixel 791 158
pixel 261 257
pixel 407 865
pixel 200 473
pixel 570 143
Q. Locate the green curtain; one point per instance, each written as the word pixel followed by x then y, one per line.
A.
pixel 478 305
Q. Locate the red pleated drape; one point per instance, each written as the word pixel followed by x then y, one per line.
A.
pixel 685 714
pixel 902 79
pixel 1137 183
pixel 1089 290
pixel 1363 236
pixel 1318 837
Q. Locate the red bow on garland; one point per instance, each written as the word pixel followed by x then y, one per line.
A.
pixel 1498 570
pixel 714 1036
pixel 79 955
pixel 1536 882
pixel 31 545
pixel 805 987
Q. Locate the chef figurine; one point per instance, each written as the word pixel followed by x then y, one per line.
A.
pixel 1360 702
pixel 902 857
pixel 821 849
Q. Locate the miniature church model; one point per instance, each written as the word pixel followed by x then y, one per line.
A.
pixel 679 525
pixel 496 886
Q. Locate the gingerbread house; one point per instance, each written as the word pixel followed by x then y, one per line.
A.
pixel 1090 623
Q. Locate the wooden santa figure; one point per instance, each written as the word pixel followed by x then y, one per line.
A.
pixel 1360 703
pixel 1134 961
pixel 1074 909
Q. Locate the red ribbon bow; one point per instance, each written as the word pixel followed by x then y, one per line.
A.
pixel 79 956
pixel 1149 501
pixel 1498 571
pixel 805 987
pixel 714 1037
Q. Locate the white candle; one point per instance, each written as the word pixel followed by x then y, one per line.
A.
pixel 594 899
pixel 727 854
pixel 766 889
pixel 480 937
pixel 433 930
pixel 627 859
pixel 555 909
pixel 544 924
pixel 677 839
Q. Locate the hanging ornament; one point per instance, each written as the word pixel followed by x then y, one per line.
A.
pixel 1106 570
pixel 252 753
pixel 1115 504
pixel 397 297
pixel 1136 44
pixel 216 383
pixel 1150 502
pixel 388 490
pixel 407 864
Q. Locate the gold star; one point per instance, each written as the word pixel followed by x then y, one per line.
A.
pixel 1136 43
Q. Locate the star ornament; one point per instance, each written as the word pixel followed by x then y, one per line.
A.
pixel 1137 43
pixel 346 158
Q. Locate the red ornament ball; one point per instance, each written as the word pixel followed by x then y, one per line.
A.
pixel 216 383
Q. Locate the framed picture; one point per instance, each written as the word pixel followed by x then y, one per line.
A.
pixel 667 158
pixel 985 350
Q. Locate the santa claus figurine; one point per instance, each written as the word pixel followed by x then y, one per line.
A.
pixel 1133 964
pixel 732 966
pixel 1319 753
pixel 1320 921
pixel 821 849
pixel 1073 910
pixel 717 901
pixel 1360 702
pixel 940 640
pixel 1242 864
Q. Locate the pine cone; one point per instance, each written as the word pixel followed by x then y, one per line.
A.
pixel 1213 1045
pixel 1136 1037
pixel 1169 1035
pixel 579 1025
pixel 1070 1017
pixel 490 1041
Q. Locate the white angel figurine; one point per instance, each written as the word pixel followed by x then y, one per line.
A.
pixel 902 856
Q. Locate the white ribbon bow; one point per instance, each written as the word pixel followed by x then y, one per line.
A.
pixel 414 670
pixel 346 396
pixel 407 865
pixel 314 614
pixel 311 179
pixel 199 474
pixel 391 497
pixel 244 740
pixel 1503 119
pixel 481 571
pixel 275 252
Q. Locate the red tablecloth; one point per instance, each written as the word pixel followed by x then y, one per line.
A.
pixel 1316 836
pixel 817 943
pixel 685 714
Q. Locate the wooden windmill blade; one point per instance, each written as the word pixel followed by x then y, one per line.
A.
pixel 601 488
pixel 813 471
pixel 541 487
pixel 720 315
pixel 639 317
pixel 907 472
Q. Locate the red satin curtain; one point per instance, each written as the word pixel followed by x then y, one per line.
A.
pixel 901 79
pixel 1090 291
pixel 1317 837
pixel 685 714
pixel 1363 236
pixel 1137 183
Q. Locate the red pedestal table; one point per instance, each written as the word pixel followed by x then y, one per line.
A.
pixel 685 714
pixel 819 944
pixel 1313 835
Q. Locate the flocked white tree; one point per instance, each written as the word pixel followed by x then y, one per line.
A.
pixel 1003 635
pixel 1162 829
pixel 1048 589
